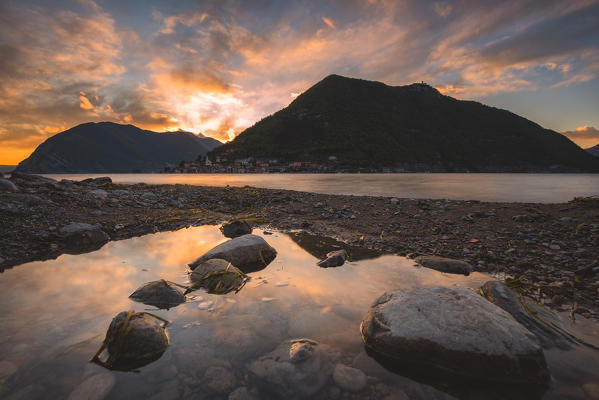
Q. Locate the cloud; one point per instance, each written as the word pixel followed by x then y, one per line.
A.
pixel 585 136
pixel 329 22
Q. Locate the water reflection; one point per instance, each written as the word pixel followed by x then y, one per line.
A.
pixel 56 313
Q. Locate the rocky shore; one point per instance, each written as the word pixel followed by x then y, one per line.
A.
pixel 550 252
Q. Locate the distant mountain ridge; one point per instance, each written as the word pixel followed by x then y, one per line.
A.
pixel 593 150
pixel 110 147
pixel 367 124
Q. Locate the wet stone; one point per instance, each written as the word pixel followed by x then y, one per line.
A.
pixel 248 253
pixel 133 339
pixel 443 264
pixel 434 325
pixel 161 294
pixel 216 276
pixel 81 237
pixel 334 259
pixel 235 228
pixel 278 376
pixel 348 378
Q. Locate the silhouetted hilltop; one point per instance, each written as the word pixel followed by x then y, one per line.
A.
pixel 110 147
pixel 366 124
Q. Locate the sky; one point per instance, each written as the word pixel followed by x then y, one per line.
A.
pixel 217 67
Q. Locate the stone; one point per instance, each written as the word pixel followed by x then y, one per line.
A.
pixel 248 253
pixel 535 321
pixel 96 387
pixel 141 341
pixel 7 369
pixel 235 228
pixel 102 180
pixel 591 390
pixel 99 194
pixel 219 379
pixel 28 180
pixel 81 237
pixel 454 331
pixel 7 186
pixel 334 259
pixel 161 294
pixel 242 393
pixel 348 378
pixel 277 375
pixel 217 276
pixel 443 264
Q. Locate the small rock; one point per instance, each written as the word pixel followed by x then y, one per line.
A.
pixel 591 390
pixel 334 259
pixel 79 236
pixel 348 378
pixel 219 380
pixel 161 294
pixel 236 228
pixel 248 253
pixel 443 264
pixel 7 186
pixel 96 387
pixel 217 276
pixel 241 393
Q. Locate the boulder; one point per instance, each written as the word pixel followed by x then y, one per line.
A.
pixel 217 276
pixel 81 237
pixel 7 186
pixel 348 378
pixel 248 253
pixel 282 376
pixel 452 330
pixel 334 259
pixel 161 294
pixel 540 321
pixel 235 228
pixel 28 180
pixel 102 180
pixel 96 387
pixel 133 339
pixel 443 264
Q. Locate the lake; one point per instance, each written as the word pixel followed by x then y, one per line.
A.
pixel 534 188
pixel 56 313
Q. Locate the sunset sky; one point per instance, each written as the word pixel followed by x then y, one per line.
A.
pixel 217 67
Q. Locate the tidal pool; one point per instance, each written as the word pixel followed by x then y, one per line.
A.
pixel 55 315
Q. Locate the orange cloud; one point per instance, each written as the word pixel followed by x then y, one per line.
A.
pixel 85 104
pixel 329 22
pixel 584 136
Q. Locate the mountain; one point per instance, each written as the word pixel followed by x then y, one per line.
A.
pixel 366 124
pixel 593 150
pixel 109 147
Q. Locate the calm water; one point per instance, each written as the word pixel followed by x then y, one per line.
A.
pixel 55 315
pixel 537 188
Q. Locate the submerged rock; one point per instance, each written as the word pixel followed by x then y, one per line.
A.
pixel 235 228
pixel 334 259
pixel 133 340
pixel 96 387
pixel 443 264
pixel 349 379
pixel 452 330
pixel 248 253
pixel 83 237
pixel 279 375
pixel 161 294
pixel 7 186
pixel 540 321
pixel 217 276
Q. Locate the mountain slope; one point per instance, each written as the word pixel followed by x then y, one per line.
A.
pixel 369 124
pixel 109 147
pixel 593 150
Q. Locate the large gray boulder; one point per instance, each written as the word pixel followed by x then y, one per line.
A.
pixel 7 186
pixel 217 276
pixel 540 321
pixel 248 253
pixel 133 340
pixel 82 237
pixel 443 264
pixel 452 330
pixel 294 370
pixel 161 294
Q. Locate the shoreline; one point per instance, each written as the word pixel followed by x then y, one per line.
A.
pixel 552 248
